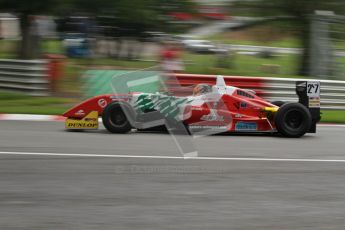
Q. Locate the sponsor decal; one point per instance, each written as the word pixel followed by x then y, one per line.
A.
pixel 90 119
pixel 219 127
pixel 238 115
pixel 314 102
pixel 102 103
pixel 212 117
pixel 80 113
pixel 243 105
pixel 81 125
pixel 88 122
pixel 246 126
pixel 169 106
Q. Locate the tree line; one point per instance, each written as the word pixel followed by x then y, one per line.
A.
pixel 118 18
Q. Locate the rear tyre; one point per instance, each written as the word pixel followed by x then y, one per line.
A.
pixel 293 120
pixel 115 119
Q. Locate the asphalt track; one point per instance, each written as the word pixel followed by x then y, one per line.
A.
pixel 141 181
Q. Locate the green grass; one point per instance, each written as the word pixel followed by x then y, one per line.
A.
pixel 243 65
pixel 45 110
pixel 283 43
pixel 333 116
pixel 20 103
pixel 8 48
pixel 119 63
pixel 274 34
pixel 269 33
pixel 52 46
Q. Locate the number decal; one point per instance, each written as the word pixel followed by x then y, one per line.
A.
pixel 310 87
pixel 313 89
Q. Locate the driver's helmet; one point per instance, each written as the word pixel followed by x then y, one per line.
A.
pixel 200 89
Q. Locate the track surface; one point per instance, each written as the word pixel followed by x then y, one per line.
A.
pixel 83 192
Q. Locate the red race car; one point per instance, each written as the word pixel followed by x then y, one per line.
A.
pixel 211 109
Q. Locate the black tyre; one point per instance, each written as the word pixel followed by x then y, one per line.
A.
pixel 293 120
pixel 278 103
pixel 114 118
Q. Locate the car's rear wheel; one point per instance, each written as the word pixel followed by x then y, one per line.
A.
pixel 293 120
pixel 115 119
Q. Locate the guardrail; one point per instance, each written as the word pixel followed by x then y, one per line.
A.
pixel 26 76
pixel 272 89
pixel 332 92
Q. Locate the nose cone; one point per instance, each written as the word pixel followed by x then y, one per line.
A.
pixel 75 112
pixel 97 103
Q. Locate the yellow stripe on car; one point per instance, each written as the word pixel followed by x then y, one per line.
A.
pixel 271 109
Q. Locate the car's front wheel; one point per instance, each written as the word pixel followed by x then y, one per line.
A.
pixel 115 119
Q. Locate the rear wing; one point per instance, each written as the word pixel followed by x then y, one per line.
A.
pixel 308 93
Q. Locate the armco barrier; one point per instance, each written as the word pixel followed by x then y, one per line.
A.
pixel 332 92
pixel 27 76
pixel 272 89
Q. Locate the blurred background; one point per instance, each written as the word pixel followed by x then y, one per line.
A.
pixel 52 50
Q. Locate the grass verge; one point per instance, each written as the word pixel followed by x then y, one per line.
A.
pixel 333 116
pixel 20 103
pixel 243 65
pixel 277 34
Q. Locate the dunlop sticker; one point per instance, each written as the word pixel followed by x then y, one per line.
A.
pixel 88 122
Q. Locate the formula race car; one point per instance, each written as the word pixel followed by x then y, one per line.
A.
pixel 219 108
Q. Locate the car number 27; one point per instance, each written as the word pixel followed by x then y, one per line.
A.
pixel 313 89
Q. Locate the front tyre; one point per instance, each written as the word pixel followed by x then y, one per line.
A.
pixel 114 118
pixel 293 120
